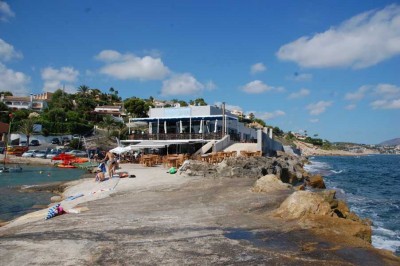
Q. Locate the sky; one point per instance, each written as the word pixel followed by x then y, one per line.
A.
pixel 330 68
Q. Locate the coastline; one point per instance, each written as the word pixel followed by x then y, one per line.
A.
pixel 311 150
pixel 183 213
pixel 52 186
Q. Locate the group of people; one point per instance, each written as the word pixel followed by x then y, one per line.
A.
pixel 107 165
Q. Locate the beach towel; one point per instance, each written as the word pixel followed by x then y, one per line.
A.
pixel 54 211
pixel 74 197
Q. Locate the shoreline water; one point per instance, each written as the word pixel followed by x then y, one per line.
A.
pixel 364 183
pixel 33 188
pixel 144 189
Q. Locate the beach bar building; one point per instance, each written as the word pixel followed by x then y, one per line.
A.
pixel 191 124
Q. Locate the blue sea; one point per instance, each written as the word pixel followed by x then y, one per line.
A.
pixel 371 187
pixel 14 202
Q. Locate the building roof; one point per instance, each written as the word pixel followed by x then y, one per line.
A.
pixel 17 98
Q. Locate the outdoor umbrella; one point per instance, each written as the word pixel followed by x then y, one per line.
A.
pixel 201 127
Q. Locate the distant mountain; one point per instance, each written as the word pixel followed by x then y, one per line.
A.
pixel 391 142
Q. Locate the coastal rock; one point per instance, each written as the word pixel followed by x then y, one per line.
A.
pixel 270 183
pixel 302 203
pixel 344 230
pixel 287 168
pixel 316 181
pixel 330 197
pixel 323 212
pixel 55 199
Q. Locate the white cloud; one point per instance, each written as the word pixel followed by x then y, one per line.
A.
pixel 7 52
pixel 351 107
pixel 318 108
pixel 363 40
pixel 5 12
pixel 59 78
pixel 230 107
pixel 182 84
pixel 257 68
pixel 314 120
pixel 269 115
pixel 129 66
pixel 387 91
pixel 13 81
pixel 358 95
pixel 386 104
pixel 257 86
pixel 301 93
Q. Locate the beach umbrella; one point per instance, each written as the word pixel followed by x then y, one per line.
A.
pixel 201 127
pixel 165 127
pixel 180 126
pixel 120 150
pixel 215 127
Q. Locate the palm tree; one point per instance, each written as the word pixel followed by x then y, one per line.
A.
pixel 83 89
pixel 26 128
pixel 120 127
pixel 108 123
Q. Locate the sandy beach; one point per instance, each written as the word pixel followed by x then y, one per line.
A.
pixel 159 218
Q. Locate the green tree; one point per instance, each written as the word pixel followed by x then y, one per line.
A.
pixel 183 103
pixel 6 93
pixel 137 107
pixel 108 123
pixel 260 121
pixel 200 102
pixel 277 131
pixel 4 113
pixel 61 99
pixel 56 115
pixel 83 89
pixel 251 116
pixel 26 128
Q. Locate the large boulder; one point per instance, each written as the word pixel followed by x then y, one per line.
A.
pixel 303 203
pixel 316 181
pixel 269 183
pixel 322 212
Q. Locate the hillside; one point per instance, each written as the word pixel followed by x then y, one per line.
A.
pixel 391 142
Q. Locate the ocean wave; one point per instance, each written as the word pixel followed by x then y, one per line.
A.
pixel 28 186
pixel 318 167
pixel 384 231
pixel 383 242
pixel 337 172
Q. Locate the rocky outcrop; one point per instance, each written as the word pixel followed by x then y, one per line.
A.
pixel 323 211
pixel 302 203
pixel 288 168
pixel 315 181
pixel 269 183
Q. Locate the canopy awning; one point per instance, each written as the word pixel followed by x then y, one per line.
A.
pixel 120 150
pixel 158 144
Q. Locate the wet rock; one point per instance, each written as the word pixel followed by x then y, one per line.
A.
pixel 316 181
pixel 301 187
pixel 270 183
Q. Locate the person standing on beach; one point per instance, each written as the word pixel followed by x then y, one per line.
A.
pixel 110 162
